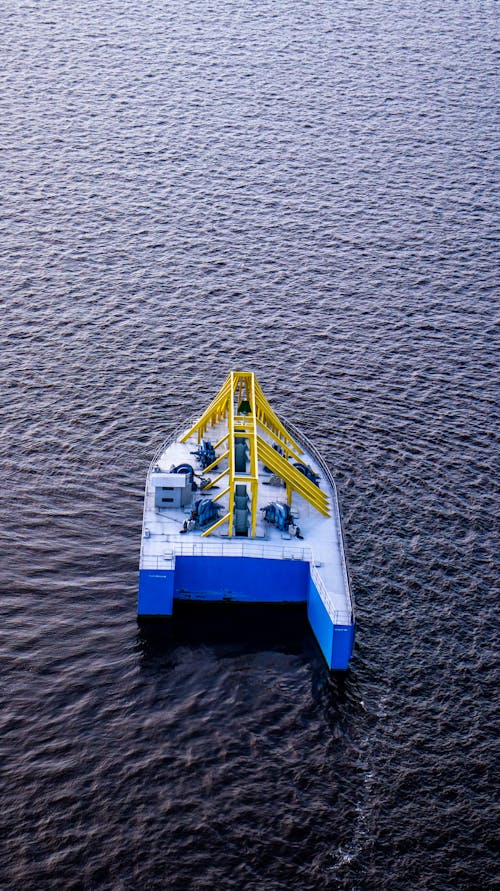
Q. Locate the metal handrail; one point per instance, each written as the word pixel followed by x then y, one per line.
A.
pixel 180 547
pixel 337 616
pixel 310 447
pixel 172 437
pixel 245 549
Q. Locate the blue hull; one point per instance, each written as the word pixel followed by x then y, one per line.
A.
pixel 245 580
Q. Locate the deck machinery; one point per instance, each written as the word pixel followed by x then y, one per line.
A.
pixel 239 507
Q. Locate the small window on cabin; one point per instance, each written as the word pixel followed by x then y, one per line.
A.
pixel 164 500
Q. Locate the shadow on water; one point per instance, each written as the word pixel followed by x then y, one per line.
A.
pixel 234 629
pixel 226 628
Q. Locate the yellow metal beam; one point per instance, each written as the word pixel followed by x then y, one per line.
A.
pixel 214 410
pixel 272 419
pixel 223 439
pixel 230 430
pixel 289 452
pixel 297 480
pixel 241 385
pixel 215 525
pixel 254 459
pixel 216 480
pixel 214 463
pixel 221 494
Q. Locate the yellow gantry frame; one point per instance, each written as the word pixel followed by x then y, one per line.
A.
pixel 241 385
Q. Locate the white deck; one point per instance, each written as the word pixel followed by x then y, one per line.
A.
pixel 321 546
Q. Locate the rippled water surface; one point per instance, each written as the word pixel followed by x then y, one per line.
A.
pixel 306 190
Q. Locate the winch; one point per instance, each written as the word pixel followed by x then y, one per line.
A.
pixel 205 453
pixel 278 514
pixel 204 512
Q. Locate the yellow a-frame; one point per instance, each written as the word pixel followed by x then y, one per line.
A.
pixel 242 402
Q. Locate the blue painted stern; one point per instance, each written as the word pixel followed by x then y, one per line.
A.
pixel 246 580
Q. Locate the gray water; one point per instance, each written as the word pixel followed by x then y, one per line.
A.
pixel 306 190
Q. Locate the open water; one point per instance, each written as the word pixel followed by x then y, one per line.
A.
pixel 307 190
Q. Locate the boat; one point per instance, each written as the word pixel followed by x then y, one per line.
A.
pixel 240 507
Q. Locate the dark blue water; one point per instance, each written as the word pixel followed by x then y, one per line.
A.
pixel 306 190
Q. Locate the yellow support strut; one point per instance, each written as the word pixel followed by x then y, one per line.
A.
pixel 239 385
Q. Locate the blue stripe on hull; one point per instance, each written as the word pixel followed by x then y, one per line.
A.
pixel 320 622
pixel 244 579
pixel 156 592
pixel 335 641
pixel 343 643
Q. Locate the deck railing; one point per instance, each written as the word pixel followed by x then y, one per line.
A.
pixel 187 548
pixel 172 437
pixel 310 447
pixel 338 616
